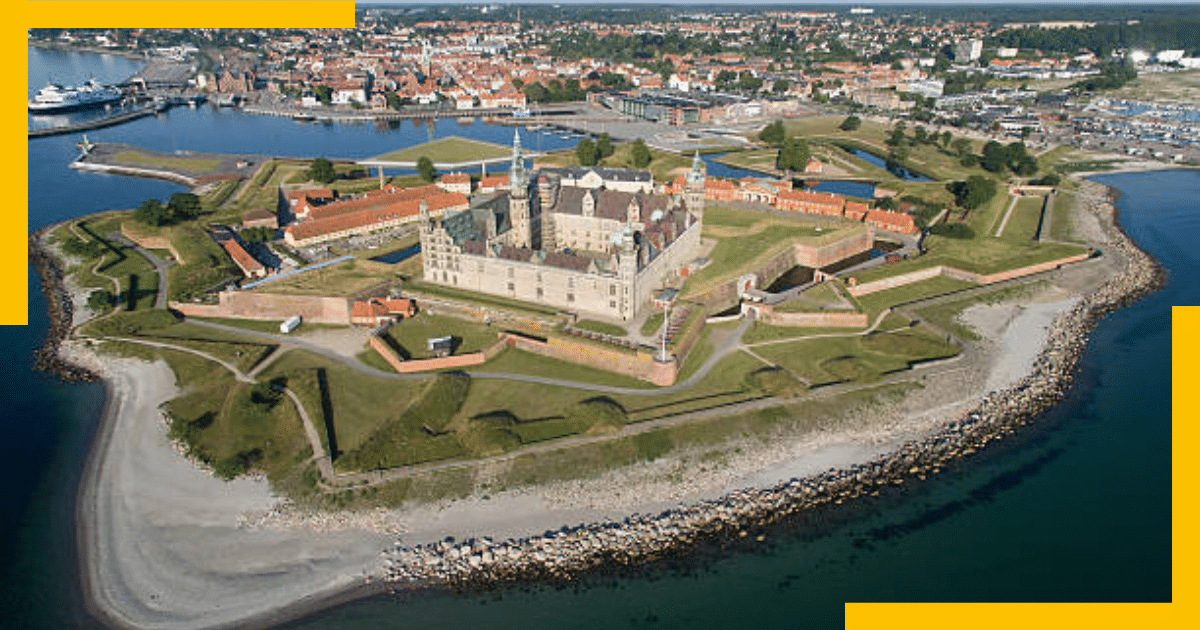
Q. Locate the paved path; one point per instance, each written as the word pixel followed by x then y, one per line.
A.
pixel 1007 213
pixel 160 267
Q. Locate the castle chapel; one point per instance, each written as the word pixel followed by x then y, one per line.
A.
pixel 594 240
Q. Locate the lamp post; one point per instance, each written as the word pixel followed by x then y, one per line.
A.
pixel 662 355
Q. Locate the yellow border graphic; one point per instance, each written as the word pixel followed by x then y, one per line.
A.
pixel 14 230
pixel 340 14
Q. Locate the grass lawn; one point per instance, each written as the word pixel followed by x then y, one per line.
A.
pixel 858 359
pixel 342 280
pixel 358 404
pixel 653 324
pixel 1062 219
pixel 664 165
pixel 142 159
pixel 451 150
pixel 818 298
pixel 875 303
pixel 517 361
pixel 411 334
pixel 735 255
pixel 242 352
pixel 759 332
pixel 1023 223
pixel 267 326
pixel 603 328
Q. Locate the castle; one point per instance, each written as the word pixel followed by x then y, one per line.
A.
pixel 593 241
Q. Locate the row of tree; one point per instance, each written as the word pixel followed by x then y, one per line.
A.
pixel 180 207
pixel 591 153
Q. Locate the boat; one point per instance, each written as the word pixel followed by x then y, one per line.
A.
pixel 58 98
pixel 303 117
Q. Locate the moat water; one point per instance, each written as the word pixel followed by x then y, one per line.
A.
pixel 1076 509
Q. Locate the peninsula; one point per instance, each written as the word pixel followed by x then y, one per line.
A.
pixel 325 381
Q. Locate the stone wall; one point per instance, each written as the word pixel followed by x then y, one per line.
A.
pixel 271 306
pixel 638 364
pixel 959 274
pixel 813 320
pixel 825 255
pixel 439 363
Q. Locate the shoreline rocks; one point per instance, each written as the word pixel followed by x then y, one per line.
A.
pixel 564 554
pixel 60 306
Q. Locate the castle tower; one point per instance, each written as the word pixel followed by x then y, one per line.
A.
pixel 518 197
pixel 627 267
pixel 694 189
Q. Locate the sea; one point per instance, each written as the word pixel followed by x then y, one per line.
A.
pixel 1075 508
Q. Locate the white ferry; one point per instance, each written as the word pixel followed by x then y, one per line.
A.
pixel 57 98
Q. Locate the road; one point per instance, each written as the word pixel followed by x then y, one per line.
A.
pixel 160 266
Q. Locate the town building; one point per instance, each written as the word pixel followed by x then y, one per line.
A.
pixel 589 248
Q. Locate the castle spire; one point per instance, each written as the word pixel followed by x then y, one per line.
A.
pixel 518 178
pixel 697 173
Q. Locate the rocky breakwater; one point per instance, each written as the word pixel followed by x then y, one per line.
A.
pixel 638 539
pixel 61 310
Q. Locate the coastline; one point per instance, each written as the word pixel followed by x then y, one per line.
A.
pixel 643 538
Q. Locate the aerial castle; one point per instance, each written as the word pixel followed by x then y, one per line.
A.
pixel 592 240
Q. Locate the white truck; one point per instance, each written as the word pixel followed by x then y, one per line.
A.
pixel 289 324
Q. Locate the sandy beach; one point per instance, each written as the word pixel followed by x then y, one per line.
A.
pixel 162 537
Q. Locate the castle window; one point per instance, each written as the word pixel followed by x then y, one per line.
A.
pixel 480 266
pixel 539 292
pixel 612 289
pixel 511 287
pixel 570 297
pixel 539 276
pixel 510 272
pixel 612 304
pixel 571 281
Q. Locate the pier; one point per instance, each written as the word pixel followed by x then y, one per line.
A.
pixel 98 123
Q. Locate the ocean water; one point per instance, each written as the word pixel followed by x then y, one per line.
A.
pixel 1077 508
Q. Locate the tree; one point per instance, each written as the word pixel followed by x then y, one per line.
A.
pixel 640 154
pixel 946 137
pixel 425 168
pixel 995 157
pixel 321 170
pixel 974 192
pixel 780 86
pixel 793 155
pixel 773 134
pixel 852 123
pixel 101 300
pixel 961 146
pixel 604 145
pixel 585 151
pixel 152 212
pixel 184 206
pixel 323 94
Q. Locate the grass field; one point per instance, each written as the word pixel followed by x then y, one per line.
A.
pixel 736 254
pixel 604 328
pixel 860 359
pixel 343 279
pixel 877 302
pixel 450 150
pixel 131 157
pixel 411 334
pixel 818 298
pixel 664 165
pixel 1023 223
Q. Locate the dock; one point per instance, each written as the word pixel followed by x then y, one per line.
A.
pixel 98 123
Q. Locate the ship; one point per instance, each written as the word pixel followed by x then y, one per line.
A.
pixel 58 98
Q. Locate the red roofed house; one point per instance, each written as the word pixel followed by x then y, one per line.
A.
pixel 374 311
pixel 247 263
pixel 456 183
pixel 810 202
pixel 368 214
pixel 856 210
pixel 892 221
pixel 492 184
pixel 260 218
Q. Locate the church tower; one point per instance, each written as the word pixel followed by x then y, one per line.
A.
pixel 694 189
pixel 518 197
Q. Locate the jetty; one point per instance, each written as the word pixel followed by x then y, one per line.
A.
pixel 98 123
